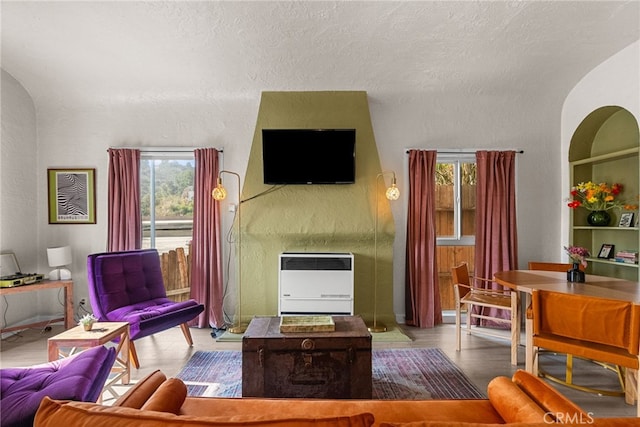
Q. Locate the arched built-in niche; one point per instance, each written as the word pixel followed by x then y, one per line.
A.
pixel 605 148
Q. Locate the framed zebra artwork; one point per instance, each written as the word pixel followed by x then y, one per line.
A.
pixel 72 196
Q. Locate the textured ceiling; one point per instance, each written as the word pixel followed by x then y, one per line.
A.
pixel 68 53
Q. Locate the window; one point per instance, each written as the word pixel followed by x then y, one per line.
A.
pixel 456 199
pixel 166 199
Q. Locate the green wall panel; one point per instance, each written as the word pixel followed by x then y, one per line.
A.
pixel 316 218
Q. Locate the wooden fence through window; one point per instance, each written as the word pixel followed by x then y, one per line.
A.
pixel 450 256
pixel 176 273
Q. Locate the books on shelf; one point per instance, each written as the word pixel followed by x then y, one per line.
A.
pixel 626 256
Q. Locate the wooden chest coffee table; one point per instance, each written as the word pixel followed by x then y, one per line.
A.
pixel 330 365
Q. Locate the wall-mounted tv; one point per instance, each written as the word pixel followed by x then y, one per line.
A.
pixel 309 156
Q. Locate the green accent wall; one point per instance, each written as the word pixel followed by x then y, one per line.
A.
pixel 316 218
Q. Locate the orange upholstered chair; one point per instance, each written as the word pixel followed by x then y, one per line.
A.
pixel 604 330
pixel 467 292
pixel 568 376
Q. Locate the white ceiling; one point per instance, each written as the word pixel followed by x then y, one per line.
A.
pixel 68 53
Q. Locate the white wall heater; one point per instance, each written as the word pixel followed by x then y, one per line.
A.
pixel 315 283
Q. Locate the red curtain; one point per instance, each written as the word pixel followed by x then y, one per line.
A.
pixel 422 295
pixel 496 230
pixel 206 251
pixel 124 229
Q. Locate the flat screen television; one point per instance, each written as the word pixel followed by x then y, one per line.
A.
pixel 309 156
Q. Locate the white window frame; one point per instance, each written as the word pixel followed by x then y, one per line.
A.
pixel 457 239
pixel 169 153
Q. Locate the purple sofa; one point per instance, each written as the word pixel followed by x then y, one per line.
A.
pixel 128 287
pixel 79 377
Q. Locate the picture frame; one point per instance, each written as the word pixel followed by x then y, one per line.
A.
pixel 606 251
pixel 72 195
pixel 626 219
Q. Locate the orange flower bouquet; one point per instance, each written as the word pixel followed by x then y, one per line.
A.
pixel 598 197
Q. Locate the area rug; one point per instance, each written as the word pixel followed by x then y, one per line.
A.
pixel 412 374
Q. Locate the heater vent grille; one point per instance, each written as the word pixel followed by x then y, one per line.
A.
pixel 315 263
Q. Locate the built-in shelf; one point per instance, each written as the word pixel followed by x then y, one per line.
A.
pixel 608 157
pixel 606 148
pixel 589 227
pixel 617 264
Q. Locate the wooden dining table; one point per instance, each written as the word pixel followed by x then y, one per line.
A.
pixel 528 281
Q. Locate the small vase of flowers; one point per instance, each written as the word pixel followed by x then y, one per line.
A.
pixel 578 256
pixel 87 321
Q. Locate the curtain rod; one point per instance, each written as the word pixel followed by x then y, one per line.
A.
pixel 461 151
pixel 164 149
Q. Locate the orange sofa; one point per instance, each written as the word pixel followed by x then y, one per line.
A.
pixel 523 400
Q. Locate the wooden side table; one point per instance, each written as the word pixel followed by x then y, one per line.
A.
pixel 67 285
pixel 77 339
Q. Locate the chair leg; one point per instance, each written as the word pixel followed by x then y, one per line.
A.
pixel 568 375
pixel 631 387
pixel 469 311
pixel 187 333
pixel 133 355
pixel 632 378
pixel 458 326
pixel 514 345
pixel 532 354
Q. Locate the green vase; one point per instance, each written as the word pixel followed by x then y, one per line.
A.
pixel 599 218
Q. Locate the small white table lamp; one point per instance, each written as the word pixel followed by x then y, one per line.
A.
pixel 58 258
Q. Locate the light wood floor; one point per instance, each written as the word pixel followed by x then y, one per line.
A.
pixel 481 359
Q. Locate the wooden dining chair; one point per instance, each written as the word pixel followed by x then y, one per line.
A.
pixel 470 293
pixel 551 266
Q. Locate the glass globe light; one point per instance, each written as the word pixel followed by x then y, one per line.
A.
pixel 393 193
pixel 219 193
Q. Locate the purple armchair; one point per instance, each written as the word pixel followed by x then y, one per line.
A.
pixel 128 287
pixel 80 377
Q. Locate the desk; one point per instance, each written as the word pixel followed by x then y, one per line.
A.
pixel 77 339
pixel 528 281
pixel 67 285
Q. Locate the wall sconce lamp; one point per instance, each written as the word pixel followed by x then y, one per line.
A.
pixel 58 258
pixel 392 193
pixel 220 193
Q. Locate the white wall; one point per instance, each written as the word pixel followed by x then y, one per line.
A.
pixel 439 121
pixel 486 121
pixel 18 181
pixel 19 191
pixel 614 82
pixel 79 137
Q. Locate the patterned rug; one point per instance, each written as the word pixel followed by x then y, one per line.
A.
pixel 411 374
